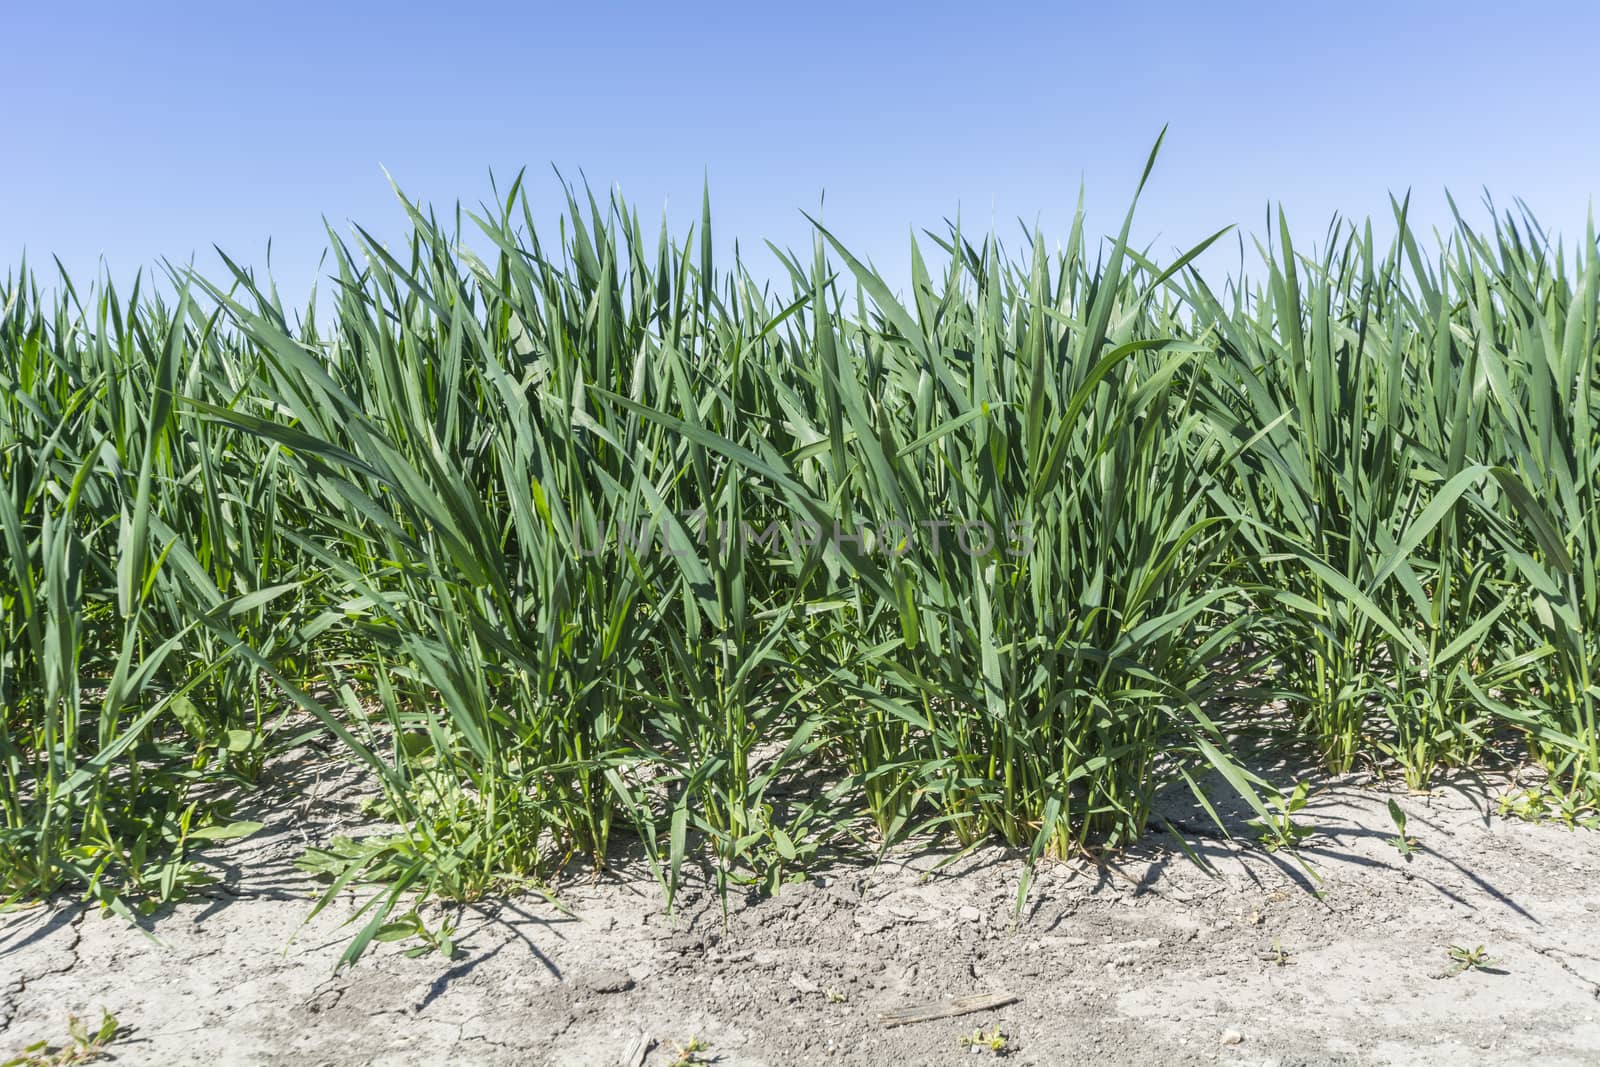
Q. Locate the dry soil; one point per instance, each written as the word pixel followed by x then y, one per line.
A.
pixel 1144 959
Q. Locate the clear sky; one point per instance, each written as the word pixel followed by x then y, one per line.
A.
pixel 133 131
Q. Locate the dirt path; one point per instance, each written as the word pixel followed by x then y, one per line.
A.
pixel 1151 962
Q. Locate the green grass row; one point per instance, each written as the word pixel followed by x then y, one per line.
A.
pixel 519 532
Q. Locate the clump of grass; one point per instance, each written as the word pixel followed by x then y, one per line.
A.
pixel 600 535
pixel 124 720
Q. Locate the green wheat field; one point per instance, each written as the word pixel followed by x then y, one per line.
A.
pixel 598 543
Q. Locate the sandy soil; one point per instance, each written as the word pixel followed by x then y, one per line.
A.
pixel 1146 960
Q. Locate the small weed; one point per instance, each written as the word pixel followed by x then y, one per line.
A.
pixel 1464 959
pixel 1540 805
pixel 835 996
pixel 1279 830
pixel 82 1046
pixel 1406 845
pixel 992 1040
pixel 688 1054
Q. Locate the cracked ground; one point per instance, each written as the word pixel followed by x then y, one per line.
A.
pixel 1337 955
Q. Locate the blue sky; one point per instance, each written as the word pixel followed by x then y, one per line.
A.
pixel 137 131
